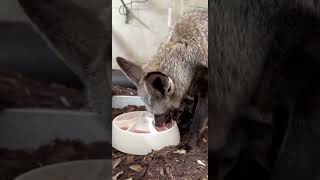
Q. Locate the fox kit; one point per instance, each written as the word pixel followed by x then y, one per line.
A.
pixel 165 80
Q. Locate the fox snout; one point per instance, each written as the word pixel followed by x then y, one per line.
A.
pixel 162 119
pixel 172 115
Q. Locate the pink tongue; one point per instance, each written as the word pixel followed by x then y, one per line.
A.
pixel 165 126
pixel 135 130
pixel 162 128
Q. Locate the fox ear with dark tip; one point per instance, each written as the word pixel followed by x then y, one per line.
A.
pixel 76 33
pixel 133 71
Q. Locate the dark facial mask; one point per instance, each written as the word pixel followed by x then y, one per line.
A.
pixel 162 118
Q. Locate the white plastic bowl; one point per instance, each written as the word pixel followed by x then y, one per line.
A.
pixel 127 141
pixel 75 170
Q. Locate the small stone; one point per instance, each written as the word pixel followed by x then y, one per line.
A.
pixel 180 151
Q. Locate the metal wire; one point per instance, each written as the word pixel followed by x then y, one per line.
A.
pixel 124 10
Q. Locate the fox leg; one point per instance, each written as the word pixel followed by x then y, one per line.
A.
pixel 199 121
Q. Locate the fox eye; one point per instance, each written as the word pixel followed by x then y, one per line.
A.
pixel 169 89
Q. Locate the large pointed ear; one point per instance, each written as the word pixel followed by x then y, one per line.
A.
pixel 77 34
pixel 158 84
pixel 133 71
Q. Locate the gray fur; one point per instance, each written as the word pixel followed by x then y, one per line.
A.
pixel 178 58
pixel 82 38
pixel 186 47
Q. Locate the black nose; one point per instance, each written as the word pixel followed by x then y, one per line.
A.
pixel 162 118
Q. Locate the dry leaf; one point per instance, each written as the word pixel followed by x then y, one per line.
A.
pixel 161 171
pixel 169 173
pixel 201 163
pixel 116 162
pixel 142 172
pixel 180 151
pixel 205 178
pixel 204 140
pixel 65 101
pixel 117 175
pixel 136 168
pixel 130 159
pixel 129 179
pixel 116 156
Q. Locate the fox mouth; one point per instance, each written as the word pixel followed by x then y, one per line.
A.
pixel 164 126
pixel 163 122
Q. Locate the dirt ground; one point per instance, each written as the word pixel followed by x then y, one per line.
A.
pixel 168 163
pixel 18 91
pixel 118 90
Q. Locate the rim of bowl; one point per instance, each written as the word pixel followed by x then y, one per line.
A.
pixel 142 134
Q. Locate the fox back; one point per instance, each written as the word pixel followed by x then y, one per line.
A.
pixel 164 80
